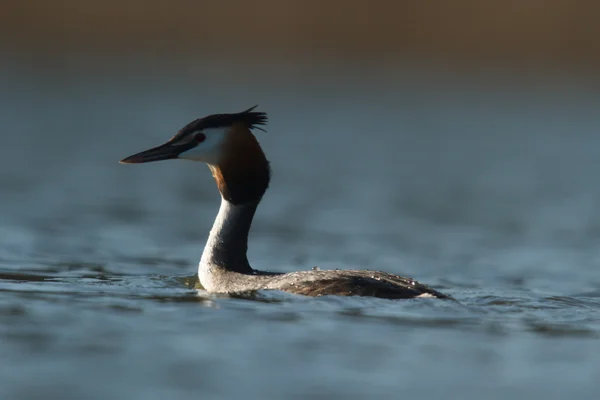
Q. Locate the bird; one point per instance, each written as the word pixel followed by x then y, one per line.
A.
pixel 226 143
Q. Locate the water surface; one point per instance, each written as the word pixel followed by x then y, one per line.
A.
pixel 487 191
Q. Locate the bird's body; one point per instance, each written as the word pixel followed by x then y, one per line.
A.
pixel 319 283
pixel 242 174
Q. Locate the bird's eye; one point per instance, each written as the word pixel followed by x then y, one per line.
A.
pixel 199 137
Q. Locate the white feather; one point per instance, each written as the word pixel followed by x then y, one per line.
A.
pixel 211 149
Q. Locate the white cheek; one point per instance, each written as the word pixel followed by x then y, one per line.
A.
pixel 197 155
pixel 209 151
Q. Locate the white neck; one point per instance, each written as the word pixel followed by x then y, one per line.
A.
pixel 228 240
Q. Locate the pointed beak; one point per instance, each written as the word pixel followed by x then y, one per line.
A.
pixel 165 151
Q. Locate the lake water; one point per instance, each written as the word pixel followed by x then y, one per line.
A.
pixel 485 189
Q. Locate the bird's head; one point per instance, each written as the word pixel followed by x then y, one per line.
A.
pixel 226 144
pixel 210 139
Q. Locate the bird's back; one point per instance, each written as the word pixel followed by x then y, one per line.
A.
pixel 351 283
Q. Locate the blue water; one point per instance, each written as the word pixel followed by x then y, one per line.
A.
pixel 486 189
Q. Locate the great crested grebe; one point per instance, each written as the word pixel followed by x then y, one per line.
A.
pixel 242 174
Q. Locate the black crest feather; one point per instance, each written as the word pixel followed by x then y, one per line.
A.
pixel 253 119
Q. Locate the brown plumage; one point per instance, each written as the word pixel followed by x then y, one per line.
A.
pixel 362 283
pixel 242 173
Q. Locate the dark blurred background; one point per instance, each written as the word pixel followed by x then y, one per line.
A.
pixel 517 33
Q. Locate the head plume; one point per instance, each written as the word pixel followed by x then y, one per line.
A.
pixel 252 119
